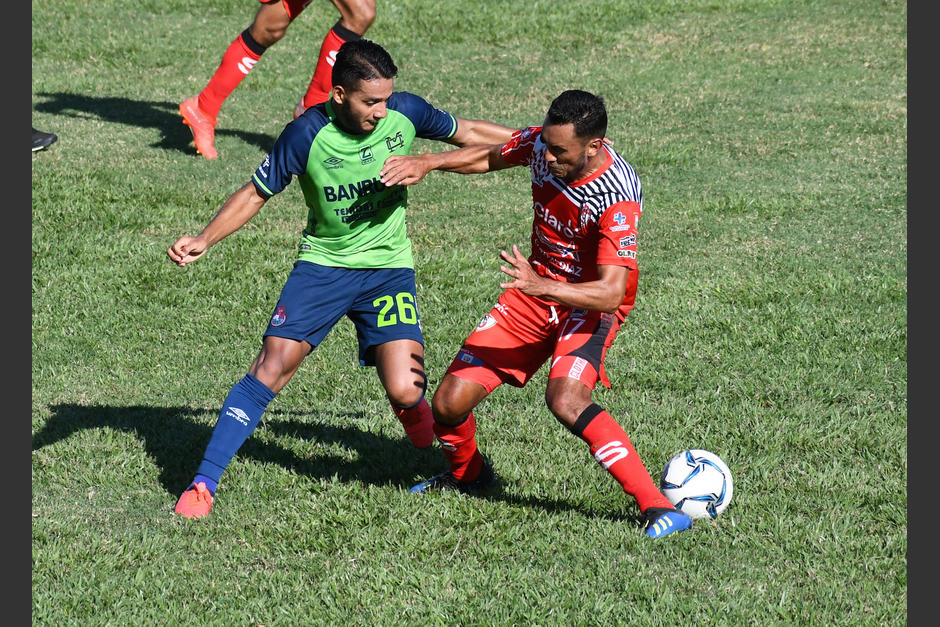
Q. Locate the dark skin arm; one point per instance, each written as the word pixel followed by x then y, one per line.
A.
pixel 410 169
pixel 470 159
pixel 604 294
pixel 474 132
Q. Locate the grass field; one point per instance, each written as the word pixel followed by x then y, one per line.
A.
pixel 770 326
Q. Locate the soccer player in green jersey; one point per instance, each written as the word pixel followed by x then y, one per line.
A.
pixel 354 257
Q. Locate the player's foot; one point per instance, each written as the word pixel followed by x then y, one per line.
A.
pixel 446 481
pixel 42 140
pixel 661 521
pixel 202 125
pixel 299 108
pixel 195 502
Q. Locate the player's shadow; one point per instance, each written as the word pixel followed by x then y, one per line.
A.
pixel 162 116
pixel 175 441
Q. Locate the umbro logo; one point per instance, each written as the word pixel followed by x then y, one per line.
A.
pixel 238 415
pixel 333 163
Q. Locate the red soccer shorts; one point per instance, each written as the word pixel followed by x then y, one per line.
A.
pixel 516 337
pixel 294 7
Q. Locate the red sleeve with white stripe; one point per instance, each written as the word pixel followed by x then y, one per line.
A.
pixel 518 150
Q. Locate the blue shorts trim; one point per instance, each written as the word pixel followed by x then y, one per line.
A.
pixel 380 302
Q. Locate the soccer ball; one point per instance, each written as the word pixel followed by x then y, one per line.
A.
pixel 698 483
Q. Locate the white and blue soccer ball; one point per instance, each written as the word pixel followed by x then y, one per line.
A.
pixel 698 483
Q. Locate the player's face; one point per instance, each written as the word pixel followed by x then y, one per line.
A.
pixel 361 108
pixel 568 156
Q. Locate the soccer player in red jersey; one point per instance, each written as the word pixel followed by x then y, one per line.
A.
pixel 566 301
pixel 200 112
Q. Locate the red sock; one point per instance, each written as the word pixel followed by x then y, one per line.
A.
pixel 613 450
pixel 418 423
pixel 237 62
pixel 460 448
pixel 322 81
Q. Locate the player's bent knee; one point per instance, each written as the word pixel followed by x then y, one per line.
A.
pixel 405 394
pixel 357 15
pixel 564 408
pixel 447 410
pixel 405 400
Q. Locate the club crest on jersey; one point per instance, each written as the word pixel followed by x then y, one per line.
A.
pixel 586 215
pixel 279 317
pixel 365 155
pixel 394 143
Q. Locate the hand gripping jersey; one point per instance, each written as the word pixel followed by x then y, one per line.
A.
pixel 353 219
pixel 581 225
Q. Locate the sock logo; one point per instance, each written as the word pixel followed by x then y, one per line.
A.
pixel 447 446
pixel 238 415
pixel 246 64
pixel 611 453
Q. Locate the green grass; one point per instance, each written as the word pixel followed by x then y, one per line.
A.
pixel 770 326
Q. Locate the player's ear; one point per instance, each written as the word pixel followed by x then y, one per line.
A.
pixel 338 94
pixel 594 146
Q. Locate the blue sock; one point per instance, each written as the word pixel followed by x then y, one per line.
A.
pixel 211 484
pixel 240 415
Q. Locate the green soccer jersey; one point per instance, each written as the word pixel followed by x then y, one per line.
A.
pixel 353 220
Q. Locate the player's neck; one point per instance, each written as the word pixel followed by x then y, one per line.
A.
pixel 592 165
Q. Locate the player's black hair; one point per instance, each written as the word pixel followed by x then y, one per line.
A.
pixel 362 60
pixel 583 109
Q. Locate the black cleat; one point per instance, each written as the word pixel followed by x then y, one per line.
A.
pixel 447 481
pixel 43 140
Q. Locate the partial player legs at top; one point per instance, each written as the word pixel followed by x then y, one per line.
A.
pixel 200 113
pixel 356 16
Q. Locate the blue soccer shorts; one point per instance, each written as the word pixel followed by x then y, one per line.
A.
pixel 380 302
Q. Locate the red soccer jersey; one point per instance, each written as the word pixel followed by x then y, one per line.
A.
pixel 581 225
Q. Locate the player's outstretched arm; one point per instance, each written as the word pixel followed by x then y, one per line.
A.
pixel 234 214
pixel 410 169
pixel 473 132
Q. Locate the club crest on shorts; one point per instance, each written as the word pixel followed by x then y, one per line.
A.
pixel 487 322
pixel 279 317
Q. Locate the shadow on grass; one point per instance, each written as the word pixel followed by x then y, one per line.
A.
pixel 163 116
pixel 173 438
